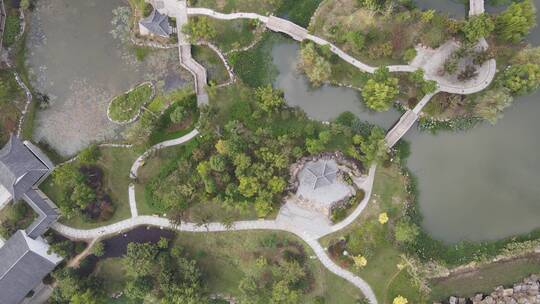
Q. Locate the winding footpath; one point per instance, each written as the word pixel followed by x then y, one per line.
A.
pixel 179 10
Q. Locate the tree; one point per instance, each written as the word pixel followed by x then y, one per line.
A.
pixel 277 184
pixel 380 90
pixel 516 21
pixel 374 147
pixel 270 100
pixel 99 249
pixel 138 287
pixel 283 294
pixel 88 297
pixel 491 104
pixel 163 243
pixel 139 258
pixel 218 163
pixel 63 248
pixel 372 5
pixel 248 186
pixel 178 114
pixel 89 155
pixel 409 54
pixel 315 66
pixel 82 195
pixel 521 79
pixel 477 27
pixel 383 218
pixel 25 4
pixel 406 232
pixel 359 261
pixel 400 300
pixel 65 175
pixel 199 29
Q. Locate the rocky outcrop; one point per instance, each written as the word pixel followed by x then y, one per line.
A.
pixel 526 292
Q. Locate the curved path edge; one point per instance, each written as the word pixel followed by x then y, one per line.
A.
pixel 128 224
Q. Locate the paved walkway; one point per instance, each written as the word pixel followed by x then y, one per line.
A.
pixel 169 143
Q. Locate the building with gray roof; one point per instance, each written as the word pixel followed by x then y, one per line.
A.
pixel 156 24
pixel 24 258
pixel 24 262
pixel 320 188
pixel 20 168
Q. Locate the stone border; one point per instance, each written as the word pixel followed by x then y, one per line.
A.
pixel 125 122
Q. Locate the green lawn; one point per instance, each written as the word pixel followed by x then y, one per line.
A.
pixel 12 27
pixel 233 34
pixel 126 106
pixel 224 257
pixel 150 169
pixel 116 164
pixel 485 279
pixel 381 271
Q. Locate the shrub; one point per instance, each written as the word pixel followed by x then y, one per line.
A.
pixel 409 55
pixel 178 114
pixel 147 10
pixel 521 79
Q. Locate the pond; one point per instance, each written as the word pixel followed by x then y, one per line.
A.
pixel 475 185
pixel 116 246
pixel 326 102
pixel 80 65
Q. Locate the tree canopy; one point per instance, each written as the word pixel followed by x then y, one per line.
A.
pixel 516 22
pixel 380 90
pixel 477 27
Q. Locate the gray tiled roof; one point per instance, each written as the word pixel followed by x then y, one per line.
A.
pixel 20 169
pixel 46 210
pixel 23 264
pixel 320 173
pixel 157 24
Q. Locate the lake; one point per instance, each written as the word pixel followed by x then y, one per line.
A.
pixel 80 65
pixel 476 185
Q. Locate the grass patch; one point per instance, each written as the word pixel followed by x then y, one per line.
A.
pixel 217 73
pixel 233 34
pixel 485 278
pixel 381 271
pixel 11 103
pixel 254 67
pixel 15 216
pixel 141 52
pixel 126 106
pixel 116 164
pixel 12 28
pixel 298 11
pixel 226 257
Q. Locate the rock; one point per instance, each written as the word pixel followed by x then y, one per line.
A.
pixel 526 292
pixel 508 292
